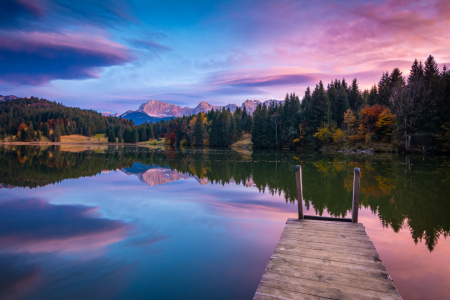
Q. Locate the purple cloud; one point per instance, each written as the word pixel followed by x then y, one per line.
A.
pixel 35 58
pixel 17 13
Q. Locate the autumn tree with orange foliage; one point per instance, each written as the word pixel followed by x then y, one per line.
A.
pixel 374 122
pixel 22 126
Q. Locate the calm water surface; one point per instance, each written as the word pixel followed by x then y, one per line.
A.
pixel 136 223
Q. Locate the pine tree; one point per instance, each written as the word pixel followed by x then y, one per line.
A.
pixel 88 132
pixel 143 134
pixel 354 98
pixel 258 127
pixel 373 96
pixel 179 134
pixel 46 130
pixel 318 107
pixel 342 105
pixel 416 72
pixel 384 90
pixel 198 129
pixel 396 78
pixel 111 136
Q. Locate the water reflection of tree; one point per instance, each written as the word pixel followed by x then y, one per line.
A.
pixel 399 194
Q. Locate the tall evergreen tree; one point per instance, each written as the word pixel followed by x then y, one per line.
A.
pixel 354 98
pixel 318 107
pixel 111 136
pixel 342 104
pixel 384 90
pixel 373 96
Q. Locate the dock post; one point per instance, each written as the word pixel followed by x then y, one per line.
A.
pixel 298 181
pixel 355 206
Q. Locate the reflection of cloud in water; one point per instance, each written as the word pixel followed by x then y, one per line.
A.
pixel 34 225
pixel 15 275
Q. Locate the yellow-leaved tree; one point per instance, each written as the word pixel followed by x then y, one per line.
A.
pixel 349 120
pixel 324 135
pixel 339 136
pixel 385 123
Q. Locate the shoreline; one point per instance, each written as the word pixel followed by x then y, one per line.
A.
pixel 64 143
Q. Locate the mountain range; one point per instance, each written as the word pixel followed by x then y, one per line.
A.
pixel 154 110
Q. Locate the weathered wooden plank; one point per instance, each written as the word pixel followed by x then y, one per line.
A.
pixel 322 289
pixel 327 255
pixel 349 250
pixel 328 240
pixel 325 223
pixel 325 235
pixel 322 275
pixel 327 228
pixel 333 226
pixel 376 270
pixel 269 293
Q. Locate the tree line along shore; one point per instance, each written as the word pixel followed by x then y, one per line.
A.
pixel 401 113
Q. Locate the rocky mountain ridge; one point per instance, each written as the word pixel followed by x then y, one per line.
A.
pixel 161 109
pixel 108 114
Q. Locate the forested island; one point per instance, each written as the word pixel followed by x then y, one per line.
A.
pixel 404 113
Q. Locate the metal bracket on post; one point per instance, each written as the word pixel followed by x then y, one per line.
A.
pixel 298 181
pixel 355 205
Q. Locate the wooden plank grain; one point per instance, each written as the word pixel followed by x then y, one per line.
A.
pixel 334 229
pixel 325 235
pixel 327 276
pixel 269 293
pixel 322 289
pixel 289 244
pixel 329 240
pixel 330 227
pixel 377 271
pixel 325 223
pixel 326 255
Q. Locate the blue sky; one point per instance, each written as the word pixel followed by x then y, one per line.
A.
pixel 114 55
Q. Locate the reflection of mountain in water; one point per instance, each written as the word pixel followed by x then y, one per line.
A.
pixel 6 186
pixel 159 176
pixel 155 175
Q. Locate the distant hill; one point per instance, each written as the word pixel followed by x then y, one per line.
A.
pixel 7 98
pixel 140 117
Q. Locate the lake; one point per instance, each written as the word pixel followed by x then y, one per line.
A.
pixel 137 223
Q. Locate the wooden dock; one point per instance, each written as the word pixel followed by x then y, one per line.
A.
pixel 325 258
